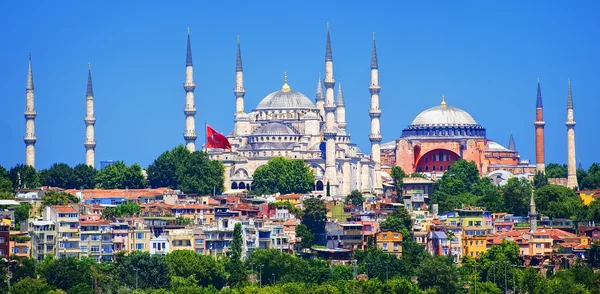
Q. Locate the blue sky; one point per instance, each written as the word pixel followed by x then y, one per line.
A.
pixel 485 56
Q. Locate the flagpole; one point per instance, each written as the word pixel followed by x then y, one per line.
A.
pixel 205 148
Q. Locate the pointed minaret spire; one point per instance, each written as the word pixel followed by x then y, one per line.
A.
pixel 580 166
pixel 238 60
pixel 30 139
pixel 539 131
pixel 374 64
pixel 571 161
pixel 188 55
pixel 511 143
pixel 330 130
pixel 532 214
pixel 328 55
pixel 375 114
pixel 340 111
pixel 189 110
pixel 320 97
pixel 90 122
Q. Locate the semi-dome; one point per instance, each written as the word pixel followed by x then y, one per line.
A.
pixel 285 99
pixel 274 128
pixel 444 115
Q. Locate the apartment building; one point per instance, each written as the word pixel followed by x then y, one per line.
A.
pixel 96 240
pixel 390 242
pixel 66 219
pixel 43 239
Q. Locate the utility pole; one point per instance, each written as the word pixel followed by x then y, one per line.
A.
pixel 260 279
pixel 273 278
pixel 136 277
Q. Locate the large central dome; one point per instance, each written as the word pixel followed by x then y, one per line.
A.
pixel 285 100
pixel 444 115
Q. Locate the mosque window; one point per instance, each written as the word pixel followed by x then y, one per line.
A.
pixel 441 168
pixel 433 168
pixel 426 168
pixel 418 169
pixel 426 158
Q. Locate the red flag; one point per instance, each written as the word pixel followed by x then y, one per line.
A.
pixel 215 140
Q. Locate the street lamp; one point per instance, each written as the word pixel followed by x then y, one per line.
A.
pixel 273 278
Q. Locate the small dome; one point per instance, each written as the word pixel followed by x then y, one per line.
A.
pixel 274 128
pixel 444 115
pixel 285 100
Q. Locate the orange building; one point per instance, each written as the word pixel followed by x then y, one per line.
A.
pixel 390 242
pixel 440 135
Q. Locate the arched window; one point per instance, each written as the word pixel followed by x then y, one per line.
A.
pixel 433 168
pixel 426 158
pixel 441 168
pixel 242 185
pixel 418 169
pixel 426 168
pixel 234 186
pixel 319 186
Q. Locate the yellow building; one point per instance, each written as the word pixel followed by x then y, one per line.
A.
pixel 474 246
pixel 587 196
pixel 540 243
pixel 294 199
pixel 181 239
pixel 198 214
pixel 20 244
pixel 390 242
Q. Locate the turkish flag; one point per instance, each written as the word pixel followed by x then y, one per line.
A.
pixel 215 140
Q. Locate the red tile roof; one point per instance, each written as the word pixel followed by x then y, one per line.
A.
pixel 64 209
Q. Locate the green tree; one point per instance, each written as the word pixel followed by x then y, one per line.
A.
pixel 532 282
pixel 30 286
pixel 438 273
pixel 85 176
pixel 554 170
pixel 64 273
pixel 24 267
pixel 539 180
pixel 21 214
pixel 591 179
pixel 58 198
pixel 382 265
pixel 328 190
pixel 399 221
pixel 490 196
pixel 58 175
pixel 125 209
pixel 314 216
pixel 152 271
pixel 592 255
pixel 6 195
pixel 205 269
pixel 355 197
pixel 458 185
pixel 558 201
pixel 517 193
pixel 163 171
pixel 418 175
pixel 6 184
pixel 120 176
pixel 305 235
pixel 3 278
pixel 235 267
pixel 283 175
pixel 24 176
pixel 593 211
pixel 398 176
pixel 200 175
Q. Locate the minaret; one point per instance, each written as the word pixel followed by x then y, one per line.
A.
pixel 239 90
pixel 511 143
pixel 532 214
pixel 90 121
pixel 30 114
pixel 320 98
pixel 571 162
pixel 330 131
pixel 539 131
pixel 190 108
pixel 375 114
pixel 340 111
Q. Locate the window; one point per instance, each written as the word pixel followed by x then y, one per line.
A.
pixel 1 239
pixel 96 248
pixel 154 245
pixel 384 236
pixel 441 168
pixel 140 246
pixel 84 249
pixel 84 237
pixel 538 245
pixel 25 250
pixel 396 236
pixel 15 250
pixel 95 237
pixel 385 246
pixel 396 246
pixel 433 168
pixel 426 158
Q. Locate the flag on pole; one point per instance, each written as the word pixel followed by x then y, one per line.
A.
pixel 216 140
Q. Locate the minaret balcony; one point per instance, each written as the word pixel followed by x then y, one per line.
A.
pixel 189 87
pixel 90 120
pixel 329 83
pixel 374 89
pixel 30 139
pixel 375 138
pixel 189 110
pixel 539 123
pixel 30 114
pixel 570 124
pixel 374 113
pixel 330 108
pixel 89 144
pixel 190 135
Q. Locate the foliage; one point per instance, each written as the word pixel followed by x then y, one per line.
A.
pixel 287 205
pixel 125 209
pixel 163 171
pixel 198 174
pixel 554 170
pixel 120 176
pixel 235 268
pixel 182 221
pixel 398 175
pixel 30 286
pixel 205 269
pixel 153 271
pixel 314 215
pixel 283 175
pixel 439 274
pixel 58 175
pixel 21 214
pixel 382 265
pixel 52 198
pixel 85 176
pixel 593 255
pixel 539 180
pixel 64 273
pixel 6 195
pixel 459 186
pixel 306 236
pixel 558 202
pixel 6 184
pixel 355 198
pixel 591 179
pixel 517 193
pixel 328 190
pixel 25 175
pixel 399 221
pixel 418 175
pixel 3 279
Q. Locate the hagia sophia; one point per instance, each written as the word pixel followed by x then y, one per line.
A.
pixel 287 123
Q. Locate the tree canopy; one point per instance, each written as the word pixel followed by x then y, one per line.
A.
pixel 283 175
pixel 355 197
pixel 58 175
pixel 163 171
pixel 6 184
pixel 24 176
pixel 125 209
pixel 399 221
pixel 314 216
pixel 591 179
pixel 58 198
pixel 398 176
pixel 554 170
pixel 558 201
pixel 120 176
pixel 198 174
